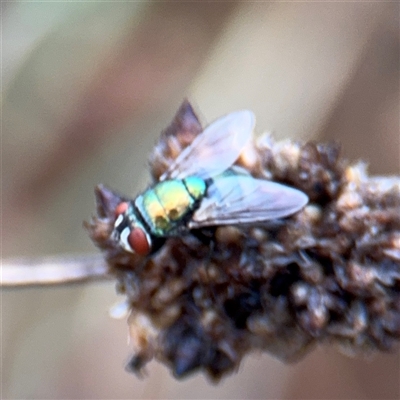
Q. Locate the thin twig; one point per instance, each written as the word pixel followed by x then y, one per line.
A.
pixel 54 270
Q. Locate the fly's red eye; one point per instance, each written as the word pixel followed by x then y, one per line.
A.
pixel 137 239
pixel 121 208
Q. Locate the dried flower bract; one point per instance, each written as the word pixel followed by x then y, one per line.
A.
pixel 327 274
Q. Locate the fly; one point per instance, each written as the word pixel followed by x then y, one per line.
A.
pixel 201 189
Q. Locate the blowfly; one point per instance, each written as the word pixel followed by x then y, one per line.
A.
pixel 201 188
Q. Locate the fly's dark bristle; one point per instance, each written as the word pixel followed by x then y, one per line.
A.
pixel 329 274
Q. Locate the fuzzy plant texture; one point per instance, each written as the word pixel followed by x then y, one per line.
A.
pixel 330 274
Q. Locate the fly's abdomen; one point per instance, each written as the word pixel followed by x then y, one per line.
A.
pixel 164 206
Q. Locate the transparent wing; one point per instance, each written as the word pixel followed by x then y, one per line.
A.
pixel 243 199
pixel 215 149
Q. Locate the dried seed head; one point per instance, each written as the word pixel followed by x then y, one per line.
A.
pixel 330 273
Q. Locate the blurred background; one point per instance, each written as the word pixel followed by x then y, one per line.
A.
pixel 87 88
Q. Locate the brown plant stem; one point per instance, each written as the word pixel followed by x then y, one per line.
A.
pixel 53 270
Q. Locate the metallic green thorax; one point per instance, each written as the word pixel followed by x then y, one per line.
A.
pixel 165 205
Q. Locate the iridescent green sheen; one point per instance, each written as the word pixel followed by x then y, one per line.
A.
pixel 196 187
pixel 164 205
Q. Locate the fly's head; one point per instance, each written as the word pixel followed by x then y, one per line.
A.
pixel 129 232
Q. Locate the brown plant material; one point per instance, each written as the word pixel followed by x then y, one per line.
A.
pixel 53 270
pixel 329 274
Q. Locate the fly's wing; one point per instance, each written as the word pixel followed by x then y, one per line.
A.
pixel 215 149
pixel 243 199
